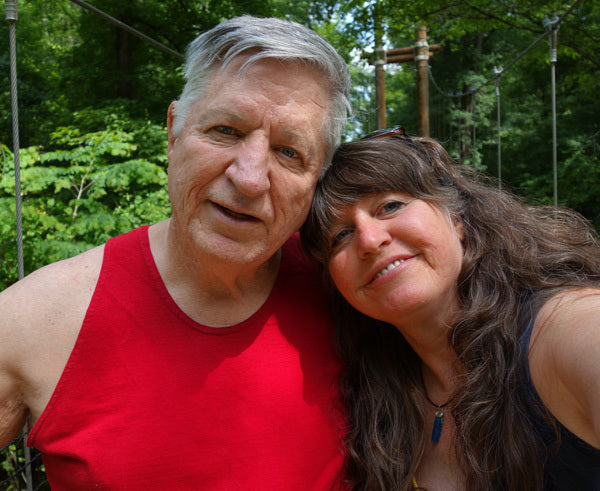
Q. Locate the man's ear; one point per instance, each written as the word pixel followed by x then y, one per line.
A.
pixel 170 119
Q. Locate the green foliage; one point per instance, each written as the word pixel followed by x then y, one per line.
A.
pixel 475 38
pixel 43 37
pixel 13 474
pixel 83 189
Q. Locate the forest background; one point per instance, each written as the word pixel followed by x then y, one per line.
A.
pixel 93 100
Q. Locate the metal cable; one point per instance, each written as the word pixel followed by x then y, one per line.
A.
pixel 127 28
pixel 498 121
pixel 553 28
pixel 459 94
pixel 11 17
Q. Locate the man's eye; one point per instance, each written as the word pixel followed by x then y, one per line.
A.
pixel 289 152
pixel 225 130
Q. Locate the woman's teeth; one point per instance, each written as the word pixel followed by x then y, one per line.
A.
pixel 387 269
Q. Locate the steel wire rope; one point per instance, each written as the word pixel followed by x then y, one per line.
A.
pixel 498 72
pixel 11 17
pixel 551 27
pixel 458 94
pixel 127 28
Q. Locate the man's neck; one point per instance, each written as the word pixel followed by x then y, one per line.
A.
pixel 212 292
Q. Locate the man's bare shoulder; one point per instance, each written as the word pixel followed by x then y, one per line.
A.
pixel 40 319
pixel 54 289
pixel 49 304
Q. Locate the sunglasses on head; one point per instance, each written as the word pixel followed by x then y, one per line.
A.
pixel 398 131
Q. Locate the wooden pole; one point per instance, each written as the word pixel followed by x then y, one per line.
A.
pixel 420 53
pixel 380 61
pixel 380 86
pixel 422 62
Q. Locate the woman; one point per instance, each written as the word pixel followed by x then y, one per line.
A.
pixel 468 322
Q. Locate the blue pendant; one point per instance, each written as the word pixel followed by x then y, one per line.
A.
pixel 437 426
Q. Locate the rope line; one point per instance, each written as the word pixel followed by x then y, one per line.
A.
pixel 127 28
pixel 11 16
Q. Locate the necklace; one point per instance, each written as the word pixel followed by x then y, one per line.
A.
pixel 439 414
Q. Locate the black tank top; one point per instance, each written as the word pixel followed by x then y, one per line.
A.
pixel 575 465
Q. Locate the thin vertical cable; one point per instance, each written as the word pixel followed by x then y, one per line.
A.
pixel 11 17
pixel 127 28
pixel 553 26
pixel 498 73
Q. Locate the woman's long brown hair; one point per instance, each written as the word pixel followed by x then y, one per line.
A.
pixel 515 256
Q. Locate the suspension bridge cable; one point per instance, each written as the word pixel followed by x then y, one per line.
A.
pixel 553 24
pixel 127 28
pixel 498 74
pixel 11 17
pixel 553 29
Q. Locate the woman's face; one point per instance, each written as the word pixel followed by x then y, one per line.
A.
pixel 397 258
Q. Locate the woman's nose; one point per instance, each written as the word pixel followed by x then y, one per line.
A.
pixel 372 236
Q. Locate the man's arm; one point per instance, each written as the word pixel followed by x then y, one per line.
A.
pixel 40 319
pixel 13 410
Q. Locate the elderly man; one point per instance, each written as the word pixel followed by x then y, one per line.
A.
pixel 195 353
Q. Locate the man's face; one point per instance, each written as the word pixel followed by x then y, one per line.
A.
pixel 243 169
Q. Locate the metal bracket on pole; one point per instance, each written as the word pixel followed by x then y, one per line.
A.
pixel 11 10
pixel 380 56
pixel 421 50
pixel 552 26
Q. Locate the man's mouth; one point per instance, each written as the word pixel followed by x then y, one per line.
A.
pixel 233 214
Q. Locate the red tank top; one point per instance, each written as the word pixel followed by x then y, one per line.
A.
pixel 150 399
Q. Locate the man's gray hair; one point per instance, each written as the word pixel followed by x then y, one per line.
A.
pixel 266 38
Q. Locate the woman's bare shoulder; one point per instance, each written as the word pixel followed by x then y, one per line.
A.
pixel 565 360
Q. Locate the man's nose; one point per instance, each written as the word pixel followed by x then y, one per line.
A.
pixel 249 171
pixel 372 236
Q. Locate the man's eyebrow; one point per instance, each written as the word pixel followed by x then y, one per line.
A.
pixel 226 114
pixel 294 135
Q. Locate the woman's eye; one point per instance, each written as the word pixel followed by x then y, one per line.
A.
pixel 391 206
pixel 338 238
